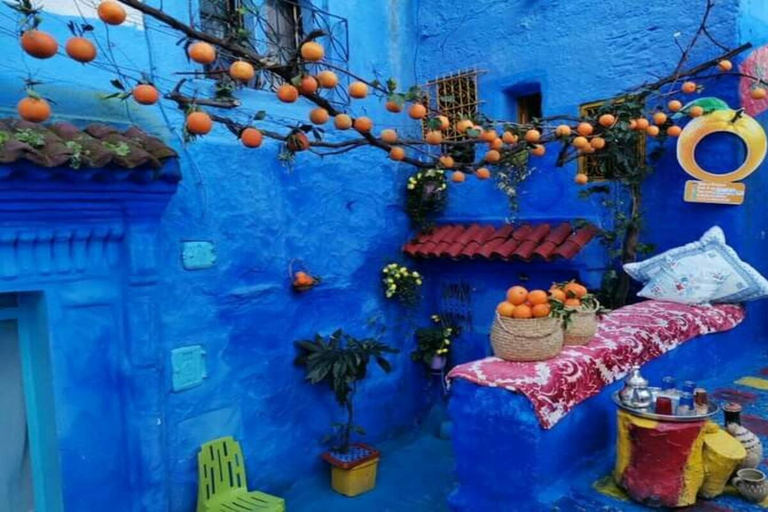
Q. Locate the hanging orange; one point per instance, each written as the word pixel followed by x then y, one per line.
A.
pixel 581 179
pixel 538 150
pixel 492 156
pixel 34 110
pixel 202 53
pixel 39 44
pixel 606 120
pixel 199 123
pixel 342 122
pixel 287 93
pixel 463 125
pixel 327 79
pixel 389 136
pixel 397 153
pixel 417 111
pixel 145 94
pixel 363 124
pixel 458 177
pixel 532 136
pixel 689 87
pixel 447 161
pixel 319 116
pixel 393 106
pixel 251 138
pixel 585 129
pixel 312 51
pixel 80 49
pixel 482 173
pixel 297 141
pixel 358 90
pixel 308 85
pixel 434 137
pixel 111 13
pixel 241 71
pixel 674 105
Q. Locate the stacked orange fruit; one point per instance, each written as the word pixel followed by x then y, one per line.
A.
pixel 571 293
pixel 523 304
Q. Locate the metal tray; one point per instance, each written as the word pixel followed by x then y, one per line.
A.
pixel 713 409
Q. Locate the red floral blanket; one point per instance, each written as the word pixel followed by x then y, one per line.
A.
pixel 628 336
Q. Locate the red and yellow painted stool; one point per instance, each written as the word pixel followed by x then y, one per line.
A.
pixel 669 464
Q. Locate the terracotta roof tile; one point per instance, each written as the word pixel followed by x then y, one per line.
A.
pixel 523 242
pixel 98 152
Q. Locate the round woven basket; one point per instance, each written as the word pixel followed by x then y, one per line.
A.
pixel 534 339
pixel 581 327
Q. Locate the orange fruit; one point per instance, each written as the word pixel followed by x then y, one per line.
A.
pixel 393 106
pixel 537 297
pixel 199 123
pixel 242 71
pixel 652 131
pixel 39 44
pixel 557 294
pixel 725 65
pixel 111 13
pixel 202 52
pixel 358 90
pixel 287 93
pixel 444 123
pixel 417 111
pixel 509 138
pixel 251 138
pixel 574 289
pixel 580 142
pixel 434 137
pixel 573 303
pixel 342 122
pixel 492 156
pixel 606 120
pixel 588 149
pixel 496 144
pixel 505 309
pixel 585 129
pixel 447 161
pixel 674 105
pixel 633 124
pixel 363 124
pixel 458 177
pixel 80 49
pixel 34 110
pixel 674 131
pixel 659 118
pixel 397 153
pixel 522 311
pixel 312 51
pixel 308 85
pixel 597 142
pixel 488 135
pixel 297 141
pixel 538 150
pixel 532 136
pixel 563 130
pixel 581 179
pixel 145 94
pixel 517 295
pixel 482 173
pixel 696 111
pixel 689 87
pixel 758 93
pixel 327 79
pixel 464 125
pixel 541 310
pixel 319 116
pixel 389 136
pixel 642 123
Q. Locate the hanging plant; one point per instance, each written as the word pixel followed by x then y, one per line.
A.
pixel 401 283
pixel 433 343
pixel 426 196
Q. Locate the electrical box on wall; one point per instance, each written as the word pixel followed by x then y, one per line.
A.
pixel 188 367
pixel 196 255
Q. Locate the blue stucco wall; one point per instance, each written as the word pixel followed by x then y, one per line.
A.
pixel 342 216
pixel 579 55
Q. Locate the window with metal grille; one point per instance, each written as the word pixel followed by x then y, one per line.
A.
pixel 454 96
pixel 276 29
pixel 591 165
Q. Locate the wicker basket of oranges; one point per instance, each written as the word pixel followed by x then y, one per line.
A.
pixel 525 327
pixel 582 312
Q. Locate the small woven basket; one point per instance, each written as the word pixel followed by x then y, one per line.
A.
pixel 581 327
pixel 534 339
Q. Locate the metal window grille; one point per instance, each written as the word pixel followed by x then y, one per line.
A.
pixel 275 29
pixel 589 164
pixel 456 97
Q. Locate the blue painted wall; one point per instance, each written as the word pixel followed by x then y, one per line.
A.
pixel 579 55
pixel 342 216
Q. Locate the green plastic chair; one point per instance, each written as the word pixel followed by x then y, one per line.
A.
pixel 222 486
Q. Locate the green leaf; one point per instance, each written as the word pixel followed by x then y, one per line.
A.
pixel 258 116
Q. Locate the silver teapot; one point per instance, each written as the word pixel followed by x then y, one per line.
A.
pixel 636 393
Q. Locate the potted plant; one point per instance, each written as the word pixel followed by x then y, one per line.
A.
pixel 433 344
pixel 341 361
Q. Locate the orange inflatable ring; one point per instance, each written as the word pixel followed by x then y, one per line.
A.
pixel 729 121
